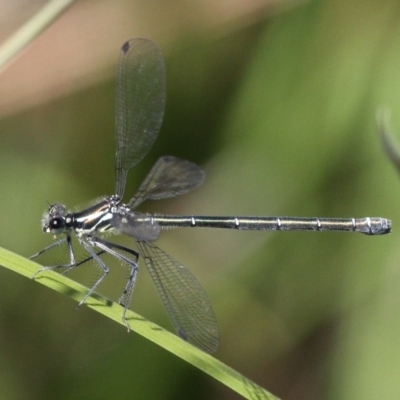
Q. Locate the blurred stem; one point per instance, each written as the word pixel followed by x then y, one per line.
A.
pixel 388 141
pixel 33 28
pixel 206 363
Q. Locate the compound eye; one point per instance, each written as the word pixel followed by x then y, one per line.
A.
pixel 56 225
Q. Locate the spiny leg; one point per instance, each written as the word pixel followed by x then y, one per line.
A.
pixel 132 264
pixel 47 248
pixel 126 296
pixel 93 255
pixel 72 259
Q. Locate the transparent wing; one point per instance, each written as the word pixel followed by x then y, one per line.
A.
pixel 139 226
pixel 184 298
pixel 169 177
pixel 140 104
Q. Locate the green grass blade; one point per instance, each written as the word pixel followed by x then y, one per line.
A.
pixel 140 325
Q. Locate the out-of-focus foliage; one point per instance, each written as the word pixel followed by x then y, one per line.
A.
pixel 281 113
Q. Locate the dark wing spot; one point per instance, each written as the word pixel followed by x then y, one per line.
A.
pixel 125 47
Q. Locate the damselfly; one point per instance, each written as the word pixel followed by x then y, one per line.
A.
pixel 141 92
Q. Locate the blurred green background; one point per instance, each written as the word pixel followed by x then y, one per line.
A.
pixel 277 101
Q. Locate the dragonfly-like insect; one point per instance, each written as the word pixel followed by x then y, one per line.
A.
pixel 140 103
